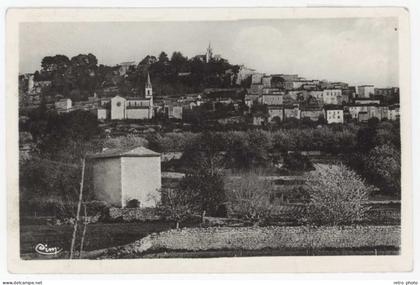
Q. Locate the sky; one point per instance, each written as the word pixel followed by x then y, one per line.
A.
pixel 354 50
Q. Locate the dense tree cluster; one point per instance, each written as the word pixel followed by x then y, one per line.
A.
pixel 377 155
pixel 257 143
pixel 80 76
pixel 60 140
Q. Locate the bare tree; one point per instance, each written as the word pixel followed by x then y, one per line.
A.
pixel 249 196
pixel 177 205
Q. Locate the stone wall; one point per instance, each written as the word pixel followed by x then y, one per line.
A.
pixel 133 214
pixel 258 238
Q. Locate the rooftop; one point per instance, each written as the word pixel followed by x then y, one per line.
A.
pixel 138 151
pixel 366 99
pixel 333 107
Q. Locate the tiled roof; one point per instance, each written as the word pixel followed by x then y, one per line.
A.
pixel 333 107
pixel 125 152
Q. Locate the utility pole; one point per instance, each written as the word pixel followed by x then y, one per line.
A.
pixel 84 231
pixel 73 240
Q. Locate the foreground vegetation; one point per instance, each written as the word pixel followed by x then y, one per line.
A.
pixel 49 180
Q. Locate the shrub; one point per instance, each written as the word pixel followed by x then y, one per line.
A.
pixel 383 165
pixel 205 191
pixel 133 203
pixel 176 205
pixel 96 207
pixel 297 162
pixel 337 196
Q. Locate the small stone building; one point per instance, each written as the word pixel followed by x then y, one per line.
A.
pixel 120 175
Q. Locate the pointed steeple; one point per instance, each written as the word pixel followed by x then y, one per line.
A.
pixel 209 53
pixel 148 83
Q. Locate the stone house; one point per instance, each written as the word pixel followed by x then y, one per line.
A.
pixel 334 114
pixel 394 112
pixel 331 96
pixel 63 105
pixel 275 111
pixel 311 112
pixel 371 111
pixel 271 99
pixel 365 91
pixel 121 175
pixel 291 111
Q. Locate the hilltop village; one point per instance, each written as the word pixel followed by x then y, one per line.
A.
pixel 205 89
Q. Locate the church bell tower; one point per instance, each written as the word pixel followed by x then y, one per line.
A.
pixel 148 90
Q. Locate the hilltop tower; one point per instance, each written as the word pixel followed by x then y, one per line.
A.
pixel 148 94
pixel 209 53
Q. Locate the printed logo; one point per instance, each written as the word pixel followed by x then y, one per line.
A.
pixel 43 249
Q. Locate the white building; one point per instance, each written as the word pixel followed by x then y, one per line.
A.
pixel 292 111
pixel 102 114
pixel 331 96
pixel 31 83
pixel 257 78
pixel 365 91
pixel 174 112
pixel 244 73
pixel 63 105
pixel 368 111
pixel 138 108
pixel 122 175
pixel 394 112
pixel 266 81
pixel 275 111
pixel 271 99
pixel 118 107
pixel 125 66
pixel 334 114
pixel 292 85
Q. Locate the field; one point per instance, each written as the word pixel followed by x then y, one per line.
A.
pixel 98 236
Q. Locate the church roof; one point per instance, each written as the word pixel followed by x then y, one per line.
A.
pixel 138 151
